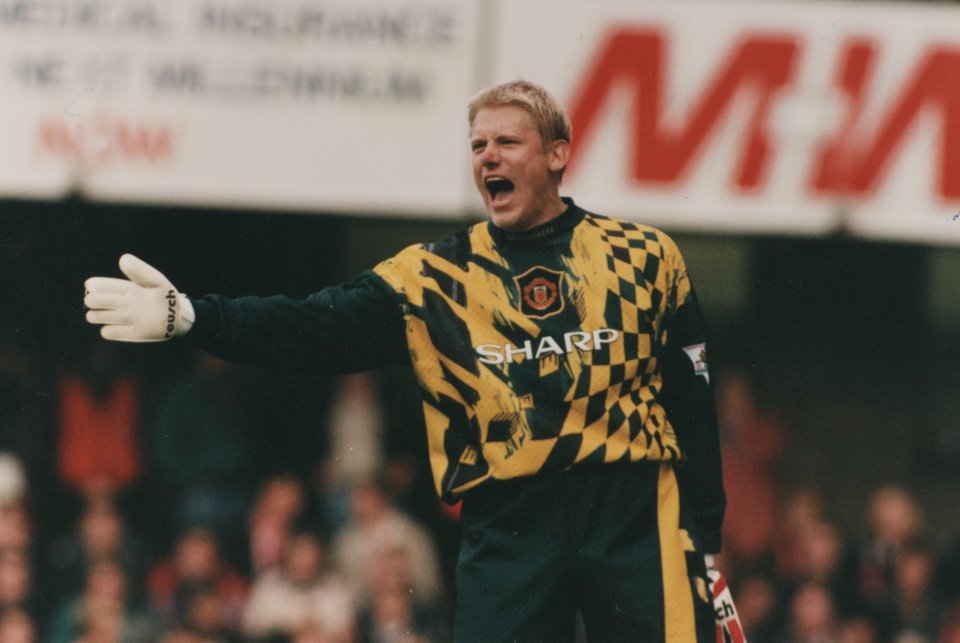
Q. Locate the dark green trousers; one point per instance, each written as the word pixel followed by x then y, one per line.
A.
pixel 613 542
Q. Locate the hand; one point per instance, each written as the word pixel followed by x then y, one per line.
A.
pixel 729 627
pixel 145 308
pixel 713 574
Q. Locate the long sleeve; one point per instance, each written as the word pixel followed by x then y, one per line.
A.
pixel 347 328
pixel 689 402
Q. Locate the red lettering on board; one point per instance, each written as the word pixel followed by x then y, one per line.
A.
pixel 853 162
pixel 634 58
pixel 104 139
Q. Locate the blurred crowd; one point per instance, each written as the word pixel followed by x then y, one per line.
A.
pixel 151 521
pixel 377 580
pixel 800 574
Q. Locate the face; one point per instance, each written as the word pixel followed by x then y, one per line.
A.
pixel 513 170
pixel 304 559
pixel 107 581
pixel 14 578
pixel 197 555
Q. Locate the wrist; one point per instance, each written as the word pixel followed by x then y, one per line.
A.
pixel 187 315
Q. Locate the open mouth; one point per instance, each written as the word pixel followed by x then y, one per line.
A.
pixel 500 189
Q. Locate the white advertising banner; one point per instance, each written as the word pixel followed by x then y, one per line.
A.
pixel 778 116
pixel 355 105
pixel 795 117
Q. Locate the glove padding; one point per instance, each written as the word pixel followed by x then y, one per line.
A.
pixel 145 308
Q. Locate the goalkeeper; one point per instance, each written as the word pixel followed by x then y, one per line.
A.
pixel 561 360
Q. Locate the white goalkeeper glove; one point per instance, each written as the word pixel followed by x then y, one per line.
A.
pixel 145 308
pixel 729 628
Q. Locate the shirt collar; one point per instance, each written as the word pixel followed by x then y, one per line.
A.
pixel 551 229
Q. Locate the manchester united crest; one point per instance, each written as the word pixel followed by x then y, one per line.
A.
pixel 540 294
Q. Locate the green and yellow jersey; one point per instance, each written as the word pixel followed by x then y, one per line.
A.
pixel 578 342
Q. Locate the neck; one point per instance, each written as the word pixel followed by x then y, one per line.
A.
pixel 551 211
pixel 551 228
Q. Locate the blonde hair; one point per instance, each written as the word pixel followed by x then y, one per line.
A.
pixel 550 118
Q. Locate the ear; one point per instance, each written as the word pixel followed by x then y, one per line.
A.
pixel 559 155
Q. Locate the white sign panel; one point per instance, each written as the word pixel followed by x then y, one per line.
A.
pixel 752 116
pixel 730 115
pixel 354 105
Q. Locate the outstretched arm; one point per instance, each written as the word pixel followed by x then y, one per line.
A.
pixel 346 328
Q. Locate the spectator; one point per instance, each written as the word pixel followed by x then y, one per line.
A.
pixel 99 412
pixel 950 627
pixel 209 616
pixel 279 505
pixel 752 444
pixel 16 582
pixel 101 533
pixel 376 527
pixel 829 560
pixel 812 616
pixel 197 564
pixel 393 618
pixel 393 613
pixel 355 451
pixel 16 526
pixel 16 542
pixel 859 628
pixel 303 594
pixel 803 507
pixel 757 604
pixel 184 635
pixel 310 633
pixel 103 611
pixel 894 519
pixel 913 606
pixel 13 480
pixel 356 424
pixel 16 626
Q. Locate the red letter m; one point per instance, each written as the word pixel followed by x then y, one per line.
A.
pixel 635 59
